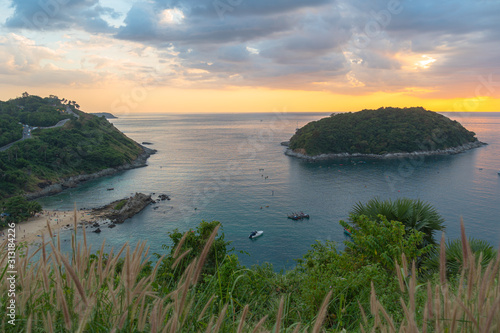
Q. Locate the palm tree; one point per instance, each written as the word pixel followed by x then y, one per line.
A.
pixel 454 256
pixel 414 214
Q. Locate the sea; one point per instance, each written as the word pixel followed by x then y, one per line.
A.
pixel 231 168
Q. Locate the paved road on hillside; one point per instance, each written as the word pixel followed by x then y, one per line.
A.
pixel 27 129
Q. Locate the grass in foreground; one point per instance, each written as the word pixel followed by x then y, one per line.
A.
pixel 119 292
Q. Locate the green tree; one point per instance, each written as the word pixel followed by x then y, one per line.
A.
pixel 20 209
pixel 191 246
pixel 454 256
pixel 381 241
pixel 414 214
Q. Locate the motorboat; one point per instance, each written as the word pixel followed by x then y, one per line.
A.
pixel 298 216
pixel 255 234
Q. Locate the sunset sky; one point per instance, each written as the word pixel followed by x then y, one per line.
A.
pixel 128 56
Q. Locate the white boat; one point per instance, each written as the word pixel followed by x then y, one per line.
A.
pixel 255 234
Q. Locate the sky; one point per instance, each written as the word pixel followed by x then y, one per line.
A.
pixel 194 56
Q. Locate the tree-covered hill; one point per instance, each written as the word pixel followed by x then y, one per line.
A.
pixel 84 145
pixel 30 110
pixel 381 131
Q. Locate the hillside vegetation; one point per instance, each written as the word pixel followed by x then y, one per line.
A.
pixel 386 280
pixel 381 131
pixel 29 110
pixel 84 145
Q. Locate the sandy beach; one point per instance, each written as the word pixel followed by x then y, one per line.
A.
pixel 31 231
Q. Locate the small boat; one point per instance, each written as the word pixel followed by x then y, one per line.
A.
pixel 298 216
pixel 111 189
pixel 255 234
pixel 347 232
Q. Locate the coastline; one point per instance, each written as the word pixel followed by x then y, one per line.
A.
pixel 74 181
pixel 34 229
pixel 449 151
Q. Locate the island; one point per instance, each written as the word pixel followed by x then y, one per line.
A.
pixel 48 144
pixel 382 133
pixel 106 115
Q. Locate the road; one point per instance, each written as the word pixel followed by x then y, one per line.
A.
pixel 27 129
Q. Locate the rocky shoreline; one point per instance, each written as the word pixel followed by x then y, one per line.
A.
pixel 74 181
pixel 449 151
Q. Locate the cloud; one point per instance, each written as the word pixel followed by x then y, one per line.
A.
pixel 299 44
pixel 21 55
pixel 27 64
pixel 61 15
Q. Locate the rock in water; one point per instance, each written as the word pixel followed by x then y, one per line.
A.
pixel 133 206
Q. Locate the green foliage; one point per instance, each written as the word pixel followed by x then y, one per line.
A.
pixel 20 209
pixel 10 129
pixel 382 241
pixel 86 145
pixel 29 110
pixel 414 214
pixel 120 204
pixel 123 292
pixel 193 241
pixel 454 256
pixel 386 130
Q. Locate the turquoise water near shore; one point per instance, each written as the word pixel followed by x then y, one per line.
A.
pixel 231 168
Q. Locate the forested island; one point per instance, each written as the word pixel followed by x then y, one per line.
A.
pixel 57 147
pixel 106 115
pixel 383 132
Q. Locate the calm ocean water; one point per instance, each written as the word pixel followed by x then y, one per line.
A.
pixel 231 168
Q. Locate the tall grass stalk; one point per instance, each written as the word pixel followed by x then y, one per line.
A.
pixel 85 292
pixel 470 305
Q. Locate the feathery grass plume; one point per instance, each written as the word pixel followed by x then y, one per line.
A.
pixel 280 314
pixel 49 229
pixel 400 277
pixel 242 319
pixel 471 304
pixel 442 260
pixel 84 235
pixel 465 247
pixel 64 306
pixel 297 328
pixel 29 323
pixel 363 314
pixel 179 246
pixel 47 321
pixel 220 319
pixel 413 286
pixel 322 313
pixel 202 313
pixel 204 253
pixel 73 275
pixel 493 314
pixel 429 301
pixel 259 324
pixel 179 259
pixel 405 264
pixel 210 324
